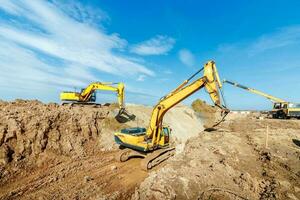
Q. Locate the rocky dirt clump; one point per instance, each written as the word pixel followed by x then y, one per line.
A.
pixel 30 128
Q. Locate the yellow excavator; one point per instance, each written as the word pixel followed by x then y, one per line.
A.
pixel 88 95
pixel 153 143
pixel 281 108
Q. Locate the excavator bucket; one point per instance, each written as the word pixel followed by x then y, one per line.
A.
pixel 124 116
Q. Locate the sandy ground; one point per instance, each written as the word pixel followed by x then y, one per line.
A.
pixel 62 152
pixel 67 152
pixel 232 162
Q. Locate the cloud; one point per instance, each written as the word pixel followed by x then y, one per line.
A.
pixel 186 57
pixel 159 45
pixel 269 62
pixel 87 14
pixel 167 71
pixel 282 37
pixel 43 44
pixel 141 78
pixel 62 38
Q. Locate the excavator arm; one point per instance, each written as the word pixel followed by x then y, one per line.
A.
pixel 88 91
pixel 272 98
pixel 210 81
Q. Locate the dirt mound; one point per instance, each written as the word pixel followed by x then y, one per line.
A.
pixel 67 152
pixel 50 151
pixel 28 129
pixel 231 163
pixel 209 114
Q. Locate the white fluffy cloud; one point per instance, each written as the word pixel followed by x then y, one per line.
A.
pixel 186 57
pixel 159 45
pixel 36 32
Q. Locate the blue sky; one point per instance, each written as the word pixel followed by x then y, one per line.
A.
pixel 50 46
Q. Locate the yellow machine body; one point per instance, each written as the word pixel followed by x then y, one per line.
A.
pixel 70 96
pixel 156 135
pixel 88 94
pixel 285 110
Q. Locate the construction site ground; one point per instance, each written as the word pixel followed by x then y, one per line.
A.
pixel 50 151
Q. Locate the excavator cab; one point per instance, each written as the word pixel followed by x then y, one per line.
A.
pixel 93 96
pixel 166 131
pixel 277 106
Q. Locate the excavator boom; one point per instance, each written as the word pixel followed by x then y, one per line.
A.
pixel 281 109
pixel 270 97
pixel 210 81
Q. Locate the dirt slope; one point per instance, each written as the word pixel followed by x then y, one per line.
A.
pixel 48 151
pixel 51 151
pixel 232 163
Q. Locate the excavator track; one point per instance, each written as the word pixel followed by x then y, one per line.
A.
pixel 84 103
pixel 125 154
pixel 156 157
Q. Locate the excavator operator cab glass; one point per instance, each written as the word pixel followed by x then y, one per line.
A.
pixel 93 97
pixel 294 105
pixel 166 133
pixel 277 105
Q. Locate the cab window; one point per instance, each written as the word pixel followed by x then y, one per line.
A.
pixel 166 131
pixel 294 105
pixel 277 106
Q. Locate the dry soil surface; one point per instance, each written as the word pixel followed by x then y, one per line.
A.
pixel 235 161
pixel 49 151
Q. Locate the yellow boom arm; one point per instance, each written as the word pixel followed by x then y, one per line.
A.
pixel 273 99
pixel 87 92
pixel 210 81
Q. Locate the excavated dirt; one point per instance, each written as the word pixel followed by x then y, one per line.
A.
pixel 209 114
pixel 52 151
pixel 49 151
pixel 232 162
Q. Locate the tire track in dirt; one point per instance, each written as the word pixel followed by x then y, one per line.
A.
pixel 90 177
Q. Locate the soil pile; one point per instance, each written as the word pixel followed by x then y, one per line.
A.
pixel 49 151
pixel 232 163
pixel 41 143
pixel 210 115
pixel 30 128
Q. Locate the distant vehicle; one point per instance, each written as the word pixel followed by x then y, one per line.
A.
pixel 88 95
pixel 281 108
